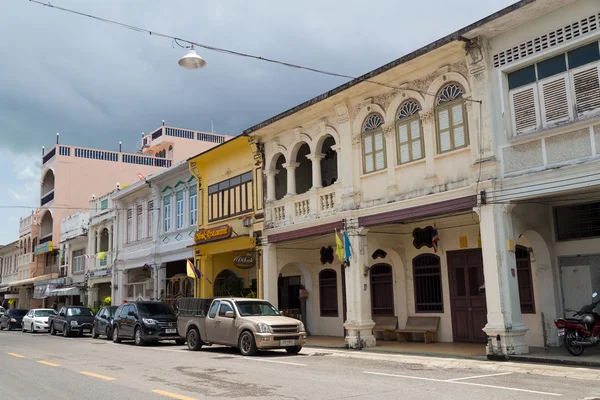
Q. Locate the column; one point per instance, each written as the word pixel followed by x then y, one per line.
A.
pixel 501 285
pixel 161 281
pixel 271 184
pixel 337 148
pixel 316 170
pixel 390 149
pixel 270 273
pixel 110 240
pixel 206 265
pixel 359 323
pixel 427 123
pixel 291 177
pixel 93 296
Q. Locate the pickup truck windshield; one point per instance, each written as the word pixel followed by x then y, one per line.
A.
pixel 250 308
pixel 155 309
pixel 73 312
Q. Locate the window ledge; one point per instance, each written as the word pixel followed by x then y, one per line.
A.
pixel 408 164
pixel 453 152
pixel 382 171
pixel 553 130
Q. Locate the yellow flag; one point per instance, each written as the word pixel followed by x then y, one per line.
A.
pixel 101 255
pixel 190 270
pixel 339 247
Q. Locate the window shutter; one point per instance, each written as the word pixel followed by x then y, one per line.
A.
pixel 555 99
pixel 586 87
pixel 524 110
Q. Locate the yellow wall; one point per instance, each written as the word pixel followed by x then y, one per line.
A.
pixel 230 159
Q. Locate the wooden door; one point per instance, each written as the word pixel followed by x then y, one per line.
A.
pixel 467 300
pixel 382 290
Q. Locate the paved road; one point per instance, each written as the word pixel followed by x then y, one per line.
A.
pixel 45 367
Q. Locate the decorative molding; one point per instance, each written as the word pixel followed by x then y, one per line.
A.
pixel 342 112
pixel 297 134
pixel 388 130
pixel 475 53
pixel 305 138
pixel 279 148
pixel 426 116
pixel 385 99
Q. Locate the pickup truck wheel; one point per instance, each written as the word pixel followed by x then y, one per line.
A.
pixel 65 330
pixel 246 344
pixel 94 333
pixel 293 350
pixel 115 335
pixel 139 340
pixel 108 333
pixel 193 340
pixel 52 330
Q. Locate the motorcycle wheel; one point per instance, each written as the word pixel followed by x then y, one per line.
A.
pixel 574 350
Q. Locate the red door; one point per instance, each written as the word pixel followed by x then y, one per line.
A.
pixel 467 301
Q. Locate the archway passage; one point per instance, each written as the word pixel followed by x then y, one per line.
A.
pixel 280 178
pixel 304 170
pixel 228 283
pixel 48 182
pixel 329 163
pixel 382 290
pixel 46 228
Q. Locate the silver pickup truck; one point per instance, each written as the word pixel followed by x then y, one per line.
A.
pixel 246 324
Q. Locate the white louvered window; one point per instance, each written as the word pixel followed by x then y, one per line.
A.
pixel 451 119
pixel 410 136
pixel 373 144
pixel 557 90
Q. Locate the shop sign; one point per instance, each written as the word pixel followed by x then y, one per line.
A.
pixel 245 262
pixel 43 248
pixel 99 274
pixel 212 234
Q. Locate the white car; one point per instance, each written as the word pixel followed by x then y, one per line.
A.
pixel 36 320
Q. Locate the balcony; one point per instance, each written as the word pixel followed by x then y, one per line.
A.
pixel 101 264
pixel 47 198
pixel 163 132
pixel 103 155
pixel 26 223
pixel 308 206
pixel 25 259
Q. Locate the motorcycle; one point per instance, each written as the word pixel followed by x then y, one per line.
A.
pixel 580 333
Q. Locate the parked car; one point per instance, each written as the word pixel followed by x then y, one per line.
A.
pixel 145 322
pixel 103 322
pixel 71 319
pixel 2 311
pixel 36 320
pixel 246 324
pixel 12 319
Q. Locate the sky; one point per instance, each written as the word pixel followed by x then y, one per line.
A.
pixel 98 84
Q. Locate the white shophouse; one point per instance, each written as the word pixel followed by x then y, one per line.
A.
pixel 72 263
pixel 156 222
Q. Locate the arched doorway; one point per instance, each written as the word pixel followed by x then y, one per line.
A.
pixel 304 170
pixel 329 163
pixel 382 289
pixel 228 283
pixel 46 227
pixel 280 178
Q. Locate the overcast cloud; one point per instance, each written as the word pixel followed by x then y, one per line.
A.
pixel 98 84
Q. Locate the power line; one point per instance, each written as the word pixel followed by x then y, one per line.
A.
pixel 231 52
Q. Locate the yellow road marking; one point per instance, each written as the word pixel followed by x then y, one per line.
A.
pixel 48 363
pixel 16 355
pixel 106 378
pixel 172 395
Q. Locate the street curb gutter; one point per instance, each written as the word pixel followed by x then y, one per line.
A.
pixel 562 361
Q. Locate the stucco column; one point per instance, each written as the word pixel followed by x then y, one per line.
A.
pixel 110 240
pixel 291 177
pixel 316 170
pixel 161 281
pixel 337 149
pixel 206 267
pixel 390 150
pixel 359 323
pixel 270 273
pixel 428 126
pixel 271 184
pixel 501 284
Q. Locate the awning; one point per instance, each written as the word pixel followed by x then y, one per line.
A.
pixel 23 282
pixel 43 291
pixel 3 284
pixel 71 291
pixel 4 289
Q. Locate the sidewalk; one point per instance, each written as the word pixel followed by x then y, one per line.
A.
pixel 560 356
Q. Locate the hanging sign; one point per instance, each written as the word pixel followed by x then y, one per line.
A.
pixel 245 262
pixel 43 248
pixel 212 234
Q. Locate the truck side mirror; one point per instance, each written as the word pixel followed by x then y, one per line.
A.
pixel 229 314
pixel 594 295
pixel 62 314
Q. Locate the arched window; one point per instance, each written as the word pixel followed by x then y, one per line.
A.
pixel 373 144
pixel 280 178
pixel 329 169
pixel 303 172
pixel 451 119
pixel 328 293
pixel 410 135
pixel 427 280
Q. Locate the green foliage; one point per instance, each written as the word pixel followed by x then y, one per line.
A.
pixel 94 309
pixel 251 295
pixel 232 286
pixel 107 301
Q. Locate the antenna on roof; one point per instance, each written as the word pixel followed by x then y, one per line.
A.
pixel 163 122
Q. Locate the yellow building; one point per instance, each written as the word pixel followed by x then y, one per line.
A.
pixel 230 220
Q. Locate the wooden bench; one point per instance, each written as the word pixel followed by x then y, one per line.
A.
pixel 384 327
pixel 423 325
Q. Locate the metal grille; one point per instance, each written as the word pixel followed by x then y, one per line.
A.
pixel 577 221
pixel 549 40
pixel 284 328
pixel 428 283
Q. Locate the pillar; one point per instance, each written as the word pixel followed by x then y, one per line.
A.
pixel 428 131
pixel 337 149
pixel 291 177
pixel 93 296
pixel 110 240
pixel 270 273
pixel 359 323
pixel 206 287
pixel 161 281
pixel 316 170
pixel 501 285
pixel 390 154
pixel 271 184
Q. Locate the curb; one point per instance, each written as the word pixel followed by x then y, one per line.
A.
pixel 552 361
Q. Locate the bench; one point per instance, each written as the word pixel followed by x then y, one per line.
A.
pixel 384 327
pixel 423 325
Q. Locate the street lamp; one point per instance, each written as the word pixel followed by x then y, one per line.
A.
pixel 192 60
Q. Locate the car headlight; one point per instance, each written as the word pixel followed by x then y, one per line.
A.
pixel 73 323
pixel 149 321
pixel 13 320
pixel 301 327
pixel 263 328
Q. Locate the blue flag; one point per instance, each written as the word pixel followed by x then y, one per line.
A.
pixel 347 246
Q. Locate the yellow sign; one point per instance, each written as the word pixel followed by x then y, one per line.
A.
pixel 463 242
pixel 212 234
pixel 43 248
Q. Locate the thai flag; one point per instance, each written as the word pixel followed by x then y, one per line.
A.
pixel 435 239
pixel 141 176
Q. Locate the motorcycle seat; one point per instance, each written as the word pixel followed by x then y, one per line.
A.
pixel 572 319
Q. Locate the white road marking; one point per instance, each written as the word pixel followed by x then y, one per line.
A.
pixel 478 376
pixel 272 361
pixel 461 383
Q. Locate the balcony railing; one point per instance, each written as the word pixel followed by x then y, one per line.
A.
pixel 47 198
pixel 48 156
pixel 103 155
pixel 26 223
pixel 157 133
pixel 107 261
pixel 323 202
pixel 182 133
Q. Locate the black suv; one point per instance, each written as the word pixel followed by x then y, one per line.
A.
pixel 145 322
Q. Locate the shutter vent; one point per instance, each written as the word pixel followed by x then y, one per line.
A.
pixel 587 90
pixel 524 111
pixel 556 103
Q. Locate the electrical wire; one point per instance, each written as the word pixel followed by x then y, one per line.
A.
pixel 232 52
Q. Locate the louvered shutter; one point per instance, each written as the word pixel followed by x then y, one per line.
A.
pixel 556 104
pixel 524 108
pixel 586 88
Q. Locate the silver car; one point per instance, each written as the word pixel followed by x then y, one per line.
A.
pixel 36 320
